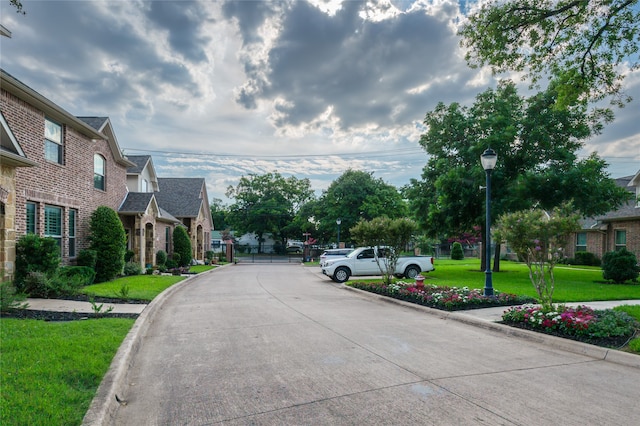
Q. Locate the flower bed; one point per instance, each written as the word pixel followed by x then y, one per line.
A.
pixel 445 298
pixel 600 327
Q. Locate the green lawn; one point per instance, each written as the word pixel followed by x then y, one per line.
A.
pixel 142 287
pixel 573 284
pixel 50 371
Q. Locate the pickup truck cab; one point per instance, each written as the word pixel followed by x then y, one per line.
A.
pixel 363 261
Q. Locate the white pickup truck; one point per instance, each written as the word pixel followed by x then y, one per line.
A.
pixel 363 261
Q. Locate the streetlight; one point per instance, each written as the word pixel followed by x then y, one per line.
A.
pixel 489 158
pixel 338 222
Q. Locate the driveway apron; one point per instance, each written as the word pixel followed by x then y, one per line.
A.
pixel 280 345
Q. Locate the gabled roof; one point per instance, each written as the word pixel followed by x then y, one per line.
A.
pixel 53 111
pixel 139 161
pixel 182 197
pixel 11 152
pixel 103 125
pixel 136 202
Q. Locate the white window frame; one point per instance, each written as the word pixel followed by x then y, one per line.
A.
pixel 99 176
pixel 49 230
pixel 53 141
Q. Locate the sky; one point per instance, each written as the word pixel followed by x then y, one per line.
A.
pixel 222 89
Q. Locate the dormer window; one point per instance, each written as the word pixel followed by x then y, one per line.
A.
pixel 99 165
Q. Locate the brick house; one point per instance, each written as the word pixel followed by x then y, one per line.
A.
pixel 614 230
pixel 150 225
pixel 187 200
pixel 11 157
pixel 78 168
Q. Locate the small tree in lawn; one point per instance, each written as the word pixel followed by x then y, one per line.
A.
pixel 538 238
pixel 380 232
pixel 457 253
pixel 182 245
pixel 109 241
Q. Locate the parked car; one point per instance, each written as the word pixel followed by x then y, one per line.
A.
pixel 366 261
pixel 333 254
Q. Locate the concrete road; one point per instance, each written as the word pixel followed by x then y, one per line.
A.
pixel 280 345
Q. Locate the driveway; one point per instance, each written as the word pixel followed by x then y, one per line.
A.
pixel 279 344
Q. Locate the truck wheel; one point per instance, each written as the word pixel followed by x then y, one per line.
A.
pixel 411 272
pixel 341 275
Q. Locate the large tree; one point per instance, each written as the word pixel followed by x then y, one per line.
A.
pixel 356 195
pixel 585 45
pixel 219 213
pixel 537 165
pixel 267 204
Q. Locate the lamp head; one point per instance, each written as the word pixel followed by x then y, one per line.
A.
pixel 489 158
pixel 338 221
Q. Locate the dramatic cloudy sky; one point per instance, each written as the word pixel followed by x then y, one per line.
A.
pixel 221 89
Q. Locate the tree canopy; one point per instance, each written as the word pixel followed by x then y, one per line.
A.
pixel 267 204
pixel 537 165
pixel 587 46
pixel 356 195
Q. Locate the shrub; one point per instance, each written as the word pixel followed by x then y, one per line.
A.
pixel 586 258
pixel 161 257
pixel 39 284
pixel 108 239
pixel 85 274
pixel 182 246
pixel 171 264
pixel 87 258
pixel 209 255
pixel 9 299
pixel 619 266
pixel 456 251
pixel 128 255
pixel 35 253
pixel 132 268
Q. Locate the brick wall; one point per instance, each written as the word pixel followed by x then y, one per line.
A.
pixel 70 185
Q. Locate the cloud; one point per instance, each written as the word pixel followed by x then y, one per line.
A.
pixel 222 89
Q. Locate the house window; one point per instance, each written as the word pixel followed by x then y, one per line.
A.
pixel 31 218
pixel 167 239
pixel 52 141
pixel 73 214
pixel 53 223
pixel 145 185
pixel 621 239
pixel 581 241
pixel 98 171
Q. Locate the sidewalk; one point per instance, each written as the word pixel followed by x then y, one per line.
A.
pixel 60 305
pixel 495 314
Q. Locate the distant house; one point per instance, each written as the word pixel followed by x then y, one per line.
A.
pixel 77 168
pixel 614 230
pixel 186 199
pixel 149 228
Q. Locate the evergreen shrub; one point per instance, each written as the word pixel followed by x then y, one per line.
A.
pixel 35 254
pixel 109 240
pixel 182 246
pixel 619 266
pixel 87 257
pixel 457 253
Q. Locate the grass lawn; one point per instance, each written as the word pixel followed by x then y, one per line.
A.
pixel 572 284
pixel 50 371
pixel 142 287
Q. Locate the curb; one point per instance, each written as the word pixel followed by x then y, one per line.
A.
pixel 104 404
pixel 568 345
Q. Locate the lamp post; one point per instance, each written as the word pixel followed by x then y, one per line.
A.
pixel 338 222
pixel 489 158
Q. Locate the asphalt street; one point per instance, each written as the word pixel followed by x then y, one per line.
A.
pixel 282 345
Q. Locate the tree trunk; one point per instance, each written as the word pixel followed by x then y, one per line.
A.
pixel 496 258
pixel 483 254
